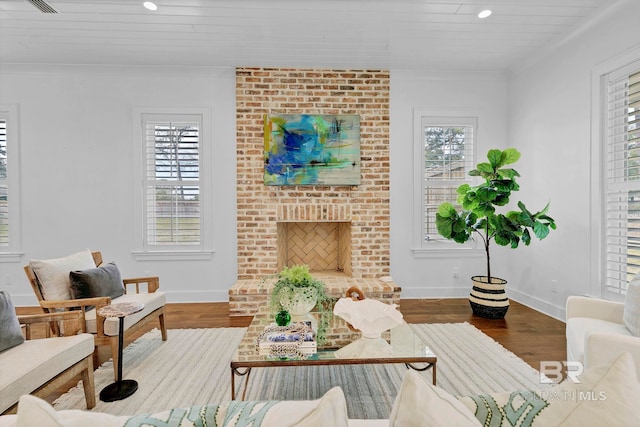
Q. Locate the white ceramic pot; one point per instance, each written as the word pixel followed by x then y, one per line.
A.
pixel 299 304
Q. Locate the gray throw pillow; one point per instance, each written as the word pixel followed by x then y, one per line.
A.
pixel 10 332
pixel 103 281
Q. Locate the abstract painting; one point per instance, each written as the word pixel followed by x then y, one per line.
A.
pixel 311 149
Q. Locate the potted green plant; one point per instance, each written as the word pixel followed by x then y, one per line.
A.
pixel 478 217
pixel 297 292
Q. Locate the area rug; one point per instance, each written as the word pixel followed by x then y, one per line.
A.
pixel 192 368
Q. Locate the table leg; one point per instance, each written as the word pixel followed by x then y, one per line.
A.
pixel 434 374
pixel 430 365
pixel 233 384
pixel 234 372
pixel 120 389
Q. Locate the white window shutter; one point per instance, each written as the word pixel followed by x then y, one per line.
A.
pixel 4 187
pixel 172 209
pixel 622 185
pixel 448 158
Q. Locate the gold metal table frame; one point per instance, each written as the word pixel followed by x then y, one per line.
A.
pixel 407 347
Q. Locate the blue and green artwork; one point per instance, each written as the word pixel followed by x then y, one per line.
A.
pixel 311 149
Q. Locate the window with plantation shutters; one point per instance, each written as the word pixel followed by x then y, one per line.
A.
pixel 444 155
pixel 172 181
pixel 4 187
pixel 10 238
pixel 622 179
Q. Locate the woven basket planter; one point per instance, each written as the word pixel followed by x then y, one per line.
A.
pixel 489 300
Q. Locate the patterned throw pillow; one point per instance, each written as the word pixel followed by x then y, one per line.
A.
pixel 195 416
pixel 631 313
pixel 606 395
pixel 519 408
pixel 330 410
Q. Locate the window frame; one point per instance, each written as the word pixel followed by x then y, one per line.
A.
pixel 615 182
pixel 422 247
pixel 143 250
pixel 598 253
pixel 13 251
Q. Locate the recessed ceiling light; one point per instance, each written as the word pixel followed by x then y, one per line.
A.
pixel 150 5
pixel 484 14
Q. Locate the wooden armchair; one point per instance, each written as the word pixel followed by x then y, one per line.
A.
pixel 105 330
pixel 41 366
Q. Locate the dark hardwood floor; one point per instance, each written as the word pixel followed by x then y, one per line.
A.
pixel 531 335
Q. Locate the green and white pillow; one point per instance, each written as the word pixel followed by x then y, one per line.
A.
pixel 606 395
pixel 330 410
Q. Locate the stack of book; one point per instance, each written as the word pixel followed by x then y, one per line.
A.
pixel 291 340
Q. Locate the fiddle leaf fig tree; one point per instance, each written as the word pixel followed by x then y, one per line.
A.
pixel 478 215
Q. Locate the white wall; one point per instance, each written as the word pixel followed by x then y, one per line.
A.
pixel 75 125
pixel 544 109
pixel 77 168
pixel 550 122
pixel 486 93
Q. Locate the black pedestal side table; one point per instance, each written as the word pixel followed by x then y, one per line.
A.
pixel 120 389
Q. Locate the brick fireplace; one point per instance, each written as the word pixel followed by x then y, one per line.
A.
pixel 341 232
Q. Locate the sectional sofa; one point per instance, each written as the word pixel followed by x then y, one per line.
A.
pixel 604 395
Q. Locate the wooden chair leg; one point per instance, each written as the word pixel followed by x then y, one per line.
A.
pixel 163 328
pixel 96 356
pixel 88 384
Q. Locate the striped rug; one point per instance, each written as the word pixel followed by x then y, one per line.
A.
pixel 192 367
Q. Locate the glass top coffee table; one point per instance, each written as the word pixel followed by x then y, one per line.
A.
pixel 401 345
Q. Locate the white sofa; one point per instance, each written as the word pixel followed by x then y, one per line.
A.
pixel 330 410
pixel 596 332
pixel 605 395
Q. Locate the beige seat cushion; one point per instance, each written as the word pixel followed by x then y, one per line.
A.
pixel 151 302
pixel 579 327
pixel 27 366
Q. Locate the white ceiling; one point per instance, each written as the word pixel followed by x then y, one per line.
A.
pixel 405 34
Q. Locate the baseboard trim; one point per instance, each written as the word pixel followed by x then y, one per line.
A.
pixel 436 293
pixel 559 313
pixel 198 296
pixel 537 304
